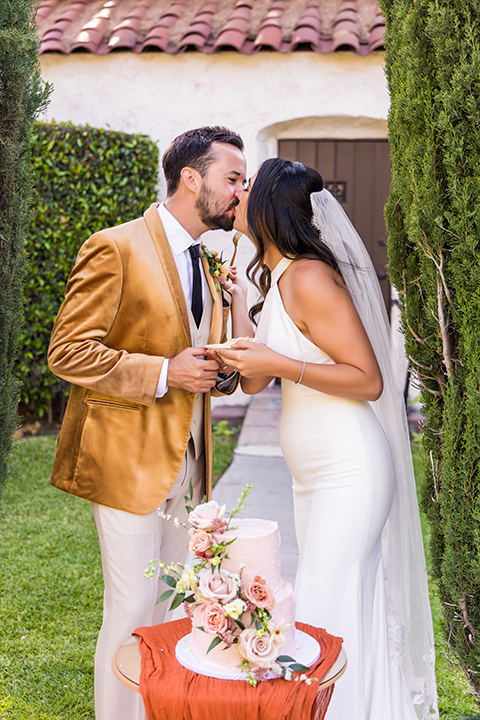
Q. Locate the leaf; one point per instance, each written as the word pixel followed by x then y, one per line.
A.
pixel 190 599
pixel 297 667
pixel 240 624
pixel 285 659
pixel 177 600
pixel 164 596
pixel 169 580
pixel 189 497
pixel 216 641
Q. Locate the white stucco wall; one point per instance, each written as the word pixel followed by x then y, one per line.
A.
pixel 265 97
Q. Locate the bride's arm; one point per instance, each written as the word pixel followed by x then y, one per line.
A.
pixel 323 310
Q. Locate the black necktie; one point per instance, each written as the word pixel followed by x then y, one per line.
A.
pixel 197 305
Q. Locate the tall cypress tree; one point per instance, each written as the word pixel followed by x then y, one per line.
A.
pixel 22 96
pixel 433 220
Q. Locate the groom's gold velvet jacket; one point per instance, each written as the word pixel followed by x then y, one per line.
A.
pixel 124 312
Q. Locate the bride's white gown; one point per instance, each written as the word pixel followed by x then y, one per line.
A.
pixel 343 487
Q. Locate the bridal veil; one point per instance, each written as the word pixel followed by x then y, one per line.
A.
pixel 410 631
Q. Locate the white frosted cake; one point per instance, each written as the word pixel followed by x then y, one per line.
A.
pixel 255 554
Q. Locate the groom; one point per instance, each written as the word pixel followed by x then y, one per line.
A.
pixel 140 305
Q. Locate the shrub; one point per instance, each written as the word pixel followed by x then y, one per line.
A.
pixel 86 179
pixel 433 219
pixel 22 96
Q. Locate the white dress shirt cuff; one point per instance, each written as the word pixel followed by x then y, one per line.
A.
pixel 162 380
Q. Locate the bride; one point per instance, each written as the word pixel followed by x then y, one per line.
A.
pixel 343 433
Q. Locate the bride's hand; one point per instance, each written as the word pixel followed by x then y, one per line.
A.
pixel 232 283
pixel 252 359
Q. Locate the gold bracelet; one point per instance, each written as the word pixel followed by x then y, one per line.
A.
pixel 301 376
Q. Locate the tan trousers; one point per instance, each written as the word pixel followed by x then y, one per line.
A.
pixel 127 543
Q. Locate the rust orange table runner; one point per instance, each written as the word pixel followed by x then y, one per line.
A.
pixel 171 692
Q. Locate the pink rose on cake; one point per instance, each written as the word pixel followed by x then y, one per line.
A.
pixel 260 650
pixel 220 585
pixel 259 594
pixel 209 517
pixel 200 544
pixel 215 622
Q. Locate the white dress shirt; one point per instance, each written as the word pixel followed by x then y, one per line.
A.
pixel 179 240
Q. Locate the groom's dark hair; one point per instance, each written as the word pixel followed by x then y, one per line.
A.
pixel 193 149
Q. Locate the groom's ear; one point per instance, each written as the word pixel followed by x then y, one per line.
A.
pixel 191 178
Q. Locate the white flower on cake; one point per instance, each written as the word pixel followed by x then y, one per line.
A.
pixel 219 585
pixel 188 580
pixel 277 631
pixel 235 608
pixel 231 610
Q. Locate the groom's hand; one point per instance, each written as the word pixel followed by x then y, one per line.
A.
pixel 191 372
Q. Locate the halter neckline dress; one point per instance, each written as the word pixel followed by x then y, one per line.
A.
pixel 343 486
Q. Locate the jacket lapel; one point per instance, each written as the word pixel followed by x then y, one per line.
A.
pixel 162 247
pixel 217 314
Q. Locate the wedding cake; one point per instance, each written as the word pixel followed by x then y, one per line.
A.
pixel 254 554
pixel 242 612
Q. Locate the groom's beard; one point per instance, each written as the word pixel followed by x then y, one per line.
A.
pixel 212 214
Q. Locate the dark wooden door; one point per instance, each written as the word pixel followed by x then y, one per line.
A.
pixel 357 172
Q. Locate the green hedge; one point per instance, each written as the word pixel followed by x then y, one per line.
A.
pixel 86 179
pixel 23 96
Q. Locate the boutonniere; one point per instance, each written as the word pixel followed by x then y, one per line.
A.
pixel 216 265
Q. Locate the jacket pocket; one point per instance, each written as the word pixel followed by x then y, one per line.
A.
pixel 112 404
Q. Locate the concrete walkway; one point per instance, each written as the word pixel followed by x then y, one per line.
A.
pixel 258 460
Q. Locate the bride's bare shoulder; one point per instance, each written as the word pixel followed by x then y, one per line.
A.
pixel 315 277
pixel 312 291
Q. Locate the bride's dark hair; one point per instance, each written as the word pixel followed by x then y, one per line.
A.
pixel 280 211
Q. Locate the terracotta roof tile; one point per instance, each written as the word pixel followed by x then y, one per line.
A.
pixel 307 29
pixel 44 8
pixel 345 30
pixel 234 33
pixel 200 30
pixel 207 26
pixel 158 36
pixel 270 34
pixel 377 32
pixel 57 23
pixel 91 35
pixel 125 34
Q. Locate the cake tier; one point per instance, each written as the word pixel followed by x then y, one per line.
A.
pixel 229 657
pixel 257 547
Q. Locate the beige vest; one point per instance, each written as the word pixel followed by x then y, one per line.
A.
pixel 200 337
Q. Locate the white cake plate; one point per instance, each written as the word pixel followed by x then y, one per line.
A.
pixel 307 652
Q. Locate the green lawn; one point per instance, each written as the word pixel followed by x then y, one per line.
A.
pixel 51 596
